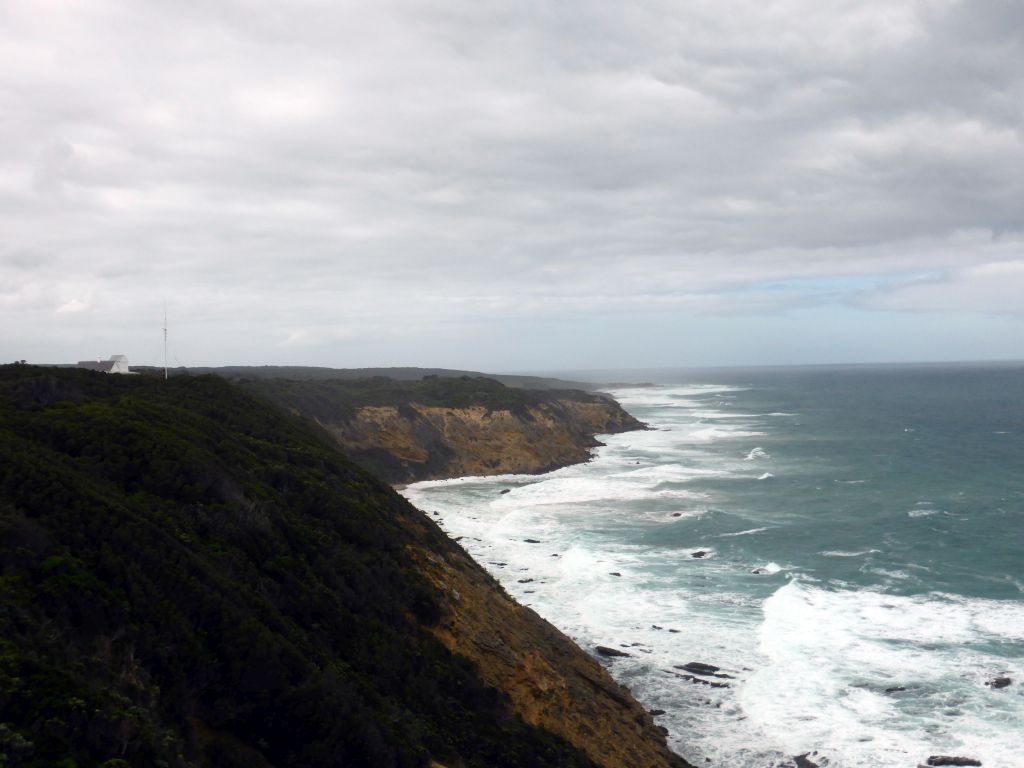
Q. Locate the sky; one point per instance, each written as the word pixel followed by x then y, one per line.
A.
pixel 512 185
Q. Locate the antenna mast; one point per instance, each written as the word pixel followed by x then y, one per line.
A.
pixel 165 341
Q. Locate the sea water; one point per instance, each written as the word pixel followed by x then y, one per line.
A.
pixel 844 543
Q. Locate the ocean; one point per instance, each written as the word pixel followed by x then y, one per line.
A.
pixel 844 543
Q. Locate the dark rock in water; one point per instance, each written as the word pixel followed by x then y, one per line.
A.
pixel 896 689
pixel 674 631
pixel 701 681
pixel 614 573
pixel 506 490
pixel 699 668
pixel 802 761
pixel 656 712
pixel 655 626
pixel 525 581
pixel 677 514
pixel 436 513
pixel 947 760
pixel 604 650
pixel 556 555
pixel 531 541
pixel 699 553
pixel 760 571
pixel 999 682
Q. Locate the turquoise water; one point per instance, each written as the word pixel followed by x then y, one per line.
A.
pixel 859 530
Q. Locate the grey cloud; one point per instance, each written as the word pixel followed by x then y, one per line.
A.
pixel 310 168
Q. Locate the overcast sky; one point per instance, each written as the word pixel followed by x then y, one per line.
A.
pixel 512 184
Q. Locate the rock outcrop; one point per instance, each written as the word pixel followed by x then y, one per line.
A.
pixel 440 428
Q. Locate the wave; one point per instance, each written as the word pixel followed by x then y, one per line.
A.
pixel 742 533
pixel 837 553
pixel 757 453
pixel 668 473
pixel 719 432
pixel 835 659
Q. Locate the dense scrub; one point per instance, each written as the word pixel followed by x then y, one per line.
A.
pixel 307 373
pixel 337 399
pixel 190 577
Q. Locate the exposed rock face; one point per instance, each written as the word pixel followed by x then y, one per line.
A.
pixel 551 682
pixel 418 442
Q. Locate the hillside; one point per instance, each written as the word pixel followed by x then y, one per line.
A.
pixel 404 373
pixel 441 427
pixel 189 577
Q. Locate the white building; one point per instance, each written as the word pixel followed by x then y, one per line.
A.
pixel 116 364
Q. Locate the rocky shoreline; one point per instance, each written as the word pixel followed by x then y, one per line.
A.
pixel 712 676
pixel 436 429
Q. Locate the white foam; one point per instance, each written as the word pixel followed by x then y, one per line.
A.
pixel 712 415
pixel 757 453
pixel 811 664
pixel 765 476
pixel 675 473
pixel 568 490
pixel 832 654
pixel 742 533
pixel 708 434
pixel 839 553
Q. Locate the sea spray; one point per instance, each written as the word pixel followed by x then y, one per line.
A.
pixel 859 602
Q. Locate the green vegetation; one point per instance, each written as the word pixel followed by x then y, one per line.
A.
pixel 338 399
pixel 305 373
pixel 190 577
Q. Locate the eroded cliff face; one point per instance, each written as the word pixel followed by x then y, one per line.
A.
pixel 550 681
pixel 418 442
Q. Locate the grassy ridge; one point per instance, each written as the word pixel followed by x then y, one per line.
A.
pixel 340 399
pixel 190 577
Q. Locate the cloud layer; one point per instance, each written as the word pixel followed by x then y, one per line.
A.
pixel 402 182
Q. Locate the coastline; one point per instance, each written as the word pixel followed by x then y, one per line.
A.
pixel 672 548
pixel 619 651
pixel 553 680
pixel 442 428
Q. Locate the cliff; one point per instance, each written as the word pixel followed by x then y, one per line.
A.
pixel 191 577
pixel 450 427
